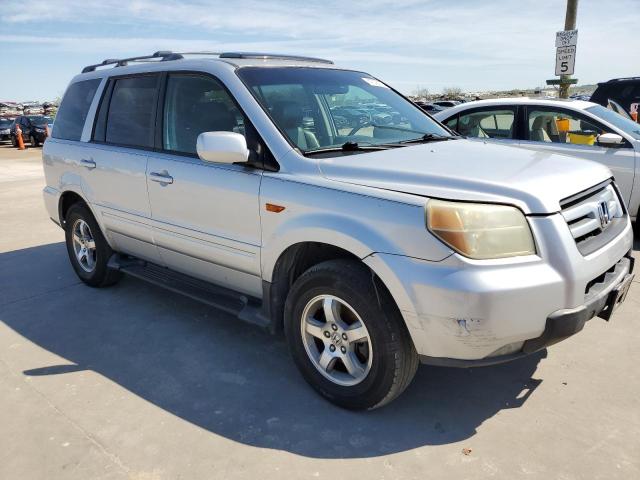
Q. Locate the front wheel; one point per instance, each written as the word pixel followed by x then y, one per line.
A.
pixel 88 250
pixel 347 337
pixel 32 140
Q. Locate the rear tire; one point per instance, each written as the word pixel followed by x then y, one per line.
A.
pixel 354 367
pixel 88 250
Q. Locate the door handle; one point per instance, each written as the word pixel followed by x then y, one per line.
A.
pixel 161 177
pixel 90 164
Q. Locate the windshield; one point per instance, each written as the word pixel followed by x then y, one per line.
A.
pixel 628 126
pixel 5 123
pixel 39 119
pixel 319 109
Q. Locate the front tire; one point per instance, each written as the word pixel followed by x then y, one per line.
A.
pixel 347 336
pixel 32 140
pixel 88 250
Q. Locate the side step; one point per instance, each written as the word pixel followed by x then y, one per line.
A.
pixel 244 307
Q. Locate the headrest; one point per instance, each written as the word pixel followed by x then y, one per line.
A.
pixel 287 114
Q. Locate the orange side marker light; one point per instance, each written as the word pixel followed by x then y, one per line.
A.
pixel 272 207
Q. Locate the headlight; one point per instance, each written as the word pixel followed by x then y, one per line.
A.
pixel 480 231
pixel 39 129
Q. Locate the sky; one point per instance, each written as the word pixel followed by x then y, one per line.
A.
pixel 433 44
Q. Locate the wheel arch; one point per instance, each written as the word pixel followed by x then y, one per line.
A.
pixel 293 262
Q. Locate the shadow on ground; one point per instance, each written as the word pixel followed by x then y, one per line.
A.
pixel 230 378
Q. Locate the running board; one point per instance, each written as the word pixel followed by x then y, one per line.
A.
pixel 244 307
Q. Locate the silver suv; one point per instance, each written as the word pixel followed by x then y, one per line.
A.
pixel 320 203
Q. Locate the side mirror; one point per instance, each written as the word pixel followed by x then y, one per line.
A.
pixel 222 147
pixel 610 140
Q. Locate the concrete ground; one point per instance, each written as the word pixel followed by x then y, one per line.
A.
pixel 135 382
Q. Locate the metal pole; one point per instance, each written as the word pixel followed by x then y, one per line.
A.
pixel 569 24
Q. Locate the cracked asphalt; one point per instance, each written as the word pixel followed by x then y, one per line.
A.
pixel 134 382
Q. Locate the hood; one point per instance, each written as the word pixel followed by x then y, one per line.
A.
pixel 471 170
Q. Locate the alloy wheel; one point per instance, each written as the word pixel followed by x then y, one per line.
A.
pixel 336 340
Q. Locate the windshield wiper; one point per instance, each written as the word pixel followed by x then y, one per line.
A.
pixel 430 137
pixel 352 147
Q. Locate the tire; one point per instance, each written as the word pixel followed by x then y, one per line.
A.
pixel 91 264
pixel 14 142
pixel 384 362
pixel 32 140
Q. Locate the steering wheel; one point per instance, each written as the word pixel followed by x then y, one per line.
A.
pixel 359 127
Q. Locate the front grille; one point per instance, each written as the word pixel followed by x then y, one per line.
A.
pixel 595 216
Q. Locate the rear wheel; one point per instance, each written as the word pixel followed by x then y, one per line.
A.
pixel 347 337
pixel 88 250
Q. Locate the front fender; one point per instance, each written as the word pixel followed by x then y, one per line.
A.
pixel 359 224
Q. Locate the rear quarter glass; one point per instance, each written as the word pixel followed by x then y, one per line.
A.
pixel 73 110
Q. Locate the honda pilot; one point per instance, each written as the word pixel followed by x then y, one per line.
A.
pixel 372 247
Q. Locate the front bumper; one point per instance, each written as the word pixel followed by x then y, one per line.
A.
pixel 561 324
pixel 464 312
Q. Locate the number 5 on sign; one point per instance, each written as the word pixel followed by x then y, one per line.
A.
pixel 565 60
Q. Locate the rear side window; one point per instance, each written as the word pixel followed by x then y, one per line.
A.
pixel 132 111
pixel 487 123
pixel 73 110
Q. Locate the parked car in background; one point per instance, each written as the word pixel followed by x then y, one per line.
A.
pixel 625 91
pixel 429 107
pixel 369 250
pixel 446 103
pixel 9 109
pixel 5 129
pixel 32 108
pixel 33 127
pixel 50 108
pixel 570 127
pixel 354 116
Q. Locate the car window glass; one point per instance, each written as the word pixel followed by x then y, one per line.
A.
pixel 131 117
pixel 73 110
pixel 196 104
pixel 555 126
pixel 487 124
pixel 324 109
pixel 297 112
pixel 452 123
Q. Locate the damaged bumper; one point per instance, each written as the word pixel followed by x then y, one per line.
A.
pixel 462 312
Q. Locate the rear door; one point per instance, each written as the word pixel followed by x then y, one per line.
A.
pixel 206 218
pixel 569 132
pixel 115 166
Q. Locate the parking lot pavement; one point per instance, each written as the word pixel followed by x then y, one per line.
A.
pixel 136 382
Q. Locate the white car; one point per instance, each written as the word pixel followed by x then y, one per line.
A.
pixel 592 132
pixel 370 247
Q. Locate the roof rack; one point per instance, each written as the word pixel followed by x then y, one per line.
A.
pixel 273 56
pixel 121 62
pixel 166 55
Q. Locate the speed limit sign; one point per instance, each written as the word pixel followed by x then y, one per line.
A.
pixel 565 60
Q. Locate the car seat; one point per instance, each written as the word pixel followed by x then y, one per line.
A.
pixel 288 115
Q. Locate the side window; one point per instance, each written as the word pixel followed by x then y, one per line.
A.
pixel 132 111
pixel 195 104
pixel 452 123
pixel 561 126
pixel 73 110
pixel 487 123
